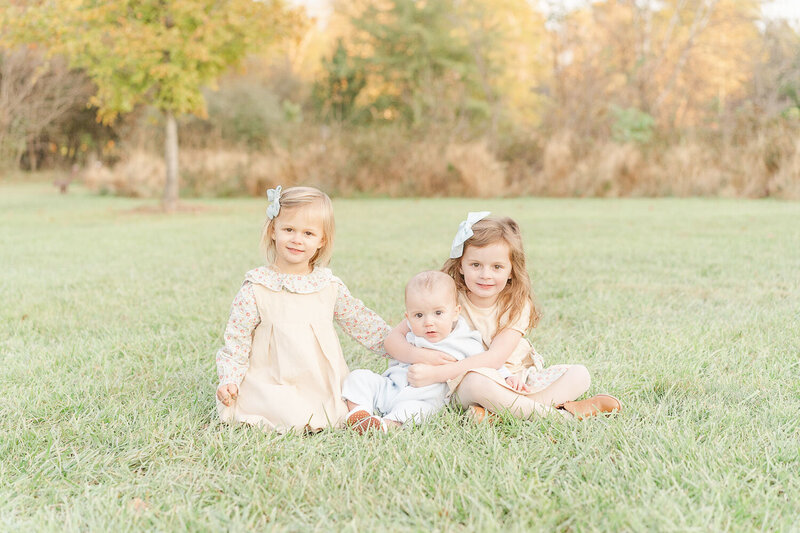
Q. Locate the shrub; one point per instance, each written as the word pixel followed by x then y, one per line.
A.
pixel 631 125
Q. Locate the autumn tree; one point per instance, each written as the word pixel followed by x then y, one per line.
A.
pixel 776 74
pixel 36 96
pixel 335 93
pixel 465 64
pixel 410 63
pixel 154 52
pixel 674 60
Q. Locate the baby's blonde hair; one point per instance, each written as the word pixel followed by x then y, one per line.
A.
pixel 517 292
pixel 299 197
pixel 430 279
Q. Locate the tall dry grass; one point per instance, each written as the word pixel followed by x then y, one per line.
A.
pixel 764 165
pixel 347 165
pixel 389 163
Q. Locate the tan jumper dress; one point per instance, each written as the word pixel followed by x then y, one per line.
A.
pixel 294 371
pixel 523 362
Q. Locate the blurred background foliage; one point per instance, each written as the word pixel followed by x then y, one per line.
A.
pixel 453 97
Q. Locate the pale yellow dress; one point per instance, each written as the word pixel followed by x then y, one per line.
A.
pixel 523 362
pixel 283 352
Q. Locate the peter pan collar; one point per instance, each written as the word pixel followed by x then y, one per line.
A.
pixel 297 283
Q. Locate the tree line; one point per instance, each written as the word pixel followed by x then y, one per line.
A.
pixel 539 92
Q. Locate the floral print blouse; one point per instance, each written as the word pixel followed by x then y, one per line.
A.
pixel 355 319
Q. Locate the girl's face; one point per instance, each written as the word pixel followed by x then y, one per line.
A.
pixel 486 272
pixel 298 234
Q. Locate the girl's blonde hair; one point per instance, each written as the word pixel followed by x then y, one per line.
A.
pixel 295 197
pixel 517 292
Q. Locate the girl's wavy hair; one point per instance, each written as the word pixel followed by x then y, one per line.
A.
pixel 293 198
pixel 517 292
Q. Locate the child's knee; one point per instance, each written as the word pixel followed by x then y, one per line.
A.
pixel 362 375
pixel 581 377
pixel 472 387
pixel 357 382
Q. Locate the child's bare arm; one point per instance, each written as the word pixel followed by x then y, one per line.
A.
pixel 399 348
pixel 502 345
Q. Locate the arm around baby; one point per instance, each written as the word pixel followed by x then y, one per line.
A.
pixel 399 348
pixel 420 375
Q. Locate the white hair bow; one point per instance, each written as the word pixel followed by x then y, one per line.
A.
pixel 274 207
pixel 465 232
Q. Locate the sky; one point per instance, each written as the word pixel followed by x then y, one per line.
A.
pixel 788 9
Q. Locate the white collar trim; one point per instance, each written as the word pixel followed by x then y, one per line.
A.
pixel 317 280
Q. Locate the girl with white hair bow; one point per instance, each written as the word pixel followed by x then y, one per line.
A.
pixel 487 263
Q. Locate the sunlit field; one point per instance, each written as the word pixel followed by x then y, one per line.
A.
pixel 687 310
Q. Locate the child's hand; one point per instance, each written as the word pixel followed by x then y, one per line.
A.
pixel 435 357
pixel 515 383
pixel 227 393
pixel 420 375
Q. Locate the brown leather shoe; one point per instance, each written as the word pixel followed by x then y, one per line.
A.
pixel 478 414
pixel 371 423
pixel 602 403
pixel 361 421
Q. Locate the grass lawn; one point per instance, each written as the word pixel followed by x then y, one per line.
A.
pixel 687 310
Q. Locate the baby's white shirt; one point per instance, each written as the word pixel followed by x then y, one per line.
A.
pixel 462 342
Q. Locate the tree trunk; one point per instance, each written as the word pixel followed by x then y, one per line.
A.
pixel 32 161
pixel 170 199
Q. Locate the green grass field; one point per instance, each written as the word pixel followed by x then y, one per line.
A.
pixel 687 310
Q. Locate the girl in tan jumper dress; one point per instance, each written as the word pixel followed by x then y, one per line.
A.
pixel 487 263
pixel 282 366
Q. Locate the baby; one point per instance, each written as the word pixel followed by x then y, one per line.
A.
pixel 432 313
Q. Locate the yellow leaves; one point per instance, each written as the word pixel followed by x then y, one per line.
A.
pixel 151 51
pixel 676 60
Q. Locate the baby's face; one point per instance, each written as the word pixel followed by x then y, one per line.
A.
pixel 432 314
